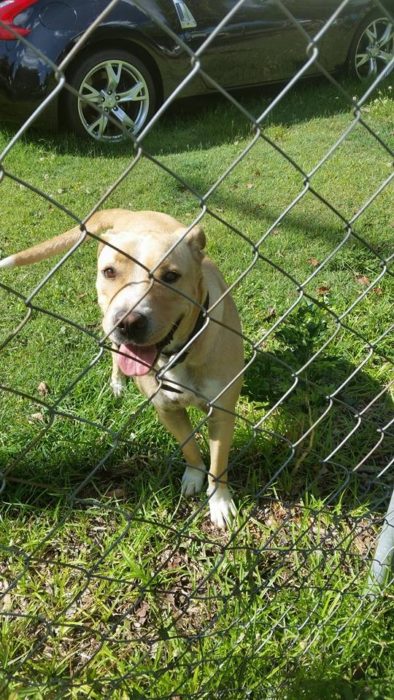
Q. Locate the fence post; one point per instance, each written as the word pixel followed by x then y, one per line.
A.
pixel 383 558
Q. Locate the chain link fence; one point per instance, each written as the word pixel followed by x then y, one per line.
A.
pixel 107 591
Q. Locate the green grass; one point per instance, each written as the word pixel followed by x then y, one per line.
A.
pixel 117 587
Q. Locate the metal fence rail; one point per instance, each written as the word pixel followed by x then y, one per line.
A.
pixel 190 640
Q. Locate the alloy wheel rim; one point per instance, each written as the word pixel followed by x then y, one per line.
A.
pixel 375 49
pixel 113 101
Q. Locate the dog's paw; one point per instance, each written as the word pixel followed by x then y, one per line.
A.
pixel 221 505
pixel 118 386
pixel 192 480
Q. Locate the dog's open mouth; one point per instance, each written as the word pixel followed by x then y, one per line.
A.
pixel 137 360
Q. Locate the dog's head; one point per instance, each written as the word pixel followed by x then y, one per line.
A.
pixel 150 289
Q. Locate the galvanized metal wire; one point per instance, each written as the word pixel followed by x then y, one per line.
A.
pixel 378 528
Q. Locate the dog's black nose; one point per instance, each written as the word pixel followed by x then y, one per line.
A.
pixel 132 325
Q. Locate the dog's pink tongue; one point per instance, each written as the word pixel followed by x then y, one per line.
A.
pixel 135 360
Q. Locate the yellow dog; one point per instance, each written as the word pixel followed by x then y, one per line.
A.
pixel 173 327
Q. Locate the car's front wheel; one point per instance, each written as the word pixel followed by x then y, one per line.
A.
pixel 116 96
pixel 372 48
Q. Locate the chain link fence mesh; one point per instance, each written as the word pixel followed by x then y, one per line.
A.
pixel 106 595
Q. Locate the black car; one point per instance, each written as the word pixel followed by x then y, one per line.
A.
pixel 129 64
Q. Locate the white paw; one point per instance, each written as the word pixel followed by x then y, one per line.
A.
pixel 221 506
pixel 193 480
pixel 118 386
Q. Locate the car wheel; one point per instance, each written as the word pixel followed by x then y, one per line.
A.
pixel 116 96
pixel 372 48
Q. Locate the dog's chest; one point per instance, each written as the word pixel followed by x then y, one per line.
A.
pixel 181 388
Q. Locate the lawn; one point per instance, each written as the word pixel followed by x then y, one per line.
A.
pixel 112 585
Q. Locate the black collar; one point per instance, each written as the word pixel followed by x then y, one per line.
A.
pixel 180 351
pixel 197 327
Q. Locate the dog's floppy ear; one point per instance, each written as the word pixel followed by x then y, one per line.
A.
pixel 103 241
pixel 197 241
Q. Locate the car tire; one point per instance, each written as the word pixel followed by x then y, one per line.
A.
pixel 116 99
pixel 372 48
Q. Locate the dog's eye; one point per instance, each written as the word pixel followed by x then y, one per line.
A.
pixel 170 276
pixel 109 273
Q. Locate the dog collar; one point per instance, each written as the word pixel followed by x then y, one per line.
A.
pixel 180 351
pixel 197 327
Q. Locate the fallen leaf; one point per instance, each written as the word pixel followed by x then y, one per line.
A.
pixel 378 291
pixel 313 261
pixel 6 600
pixel 37 417
pixel 43 389
pixel 249 186
pixel 176 562
pixel 323 290
pixel 363 279
pixel 142 612
pixel 116 493
pixel 271 313
pixel 6 603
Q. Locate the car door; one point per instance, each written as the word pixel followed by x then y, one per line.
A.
pixel 259 43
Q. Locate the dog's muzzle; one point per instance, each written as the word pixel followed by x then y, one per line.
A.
pixel 136 356
pixel 131 327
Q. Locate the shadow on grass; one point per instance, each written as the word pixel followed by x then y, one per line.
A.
pixel 343 453
pixel 210 120
pixel 310 228
pixel 284 568
pixel 338 689
pixel 49 474
pixel 317 467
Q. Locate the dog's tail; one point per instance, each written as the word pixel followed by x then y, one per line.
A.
pixel 96 224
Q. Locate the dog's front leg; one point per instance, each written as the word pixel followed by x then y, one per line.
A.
pixel 118 380
pixel 221 505
pixel 178 423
